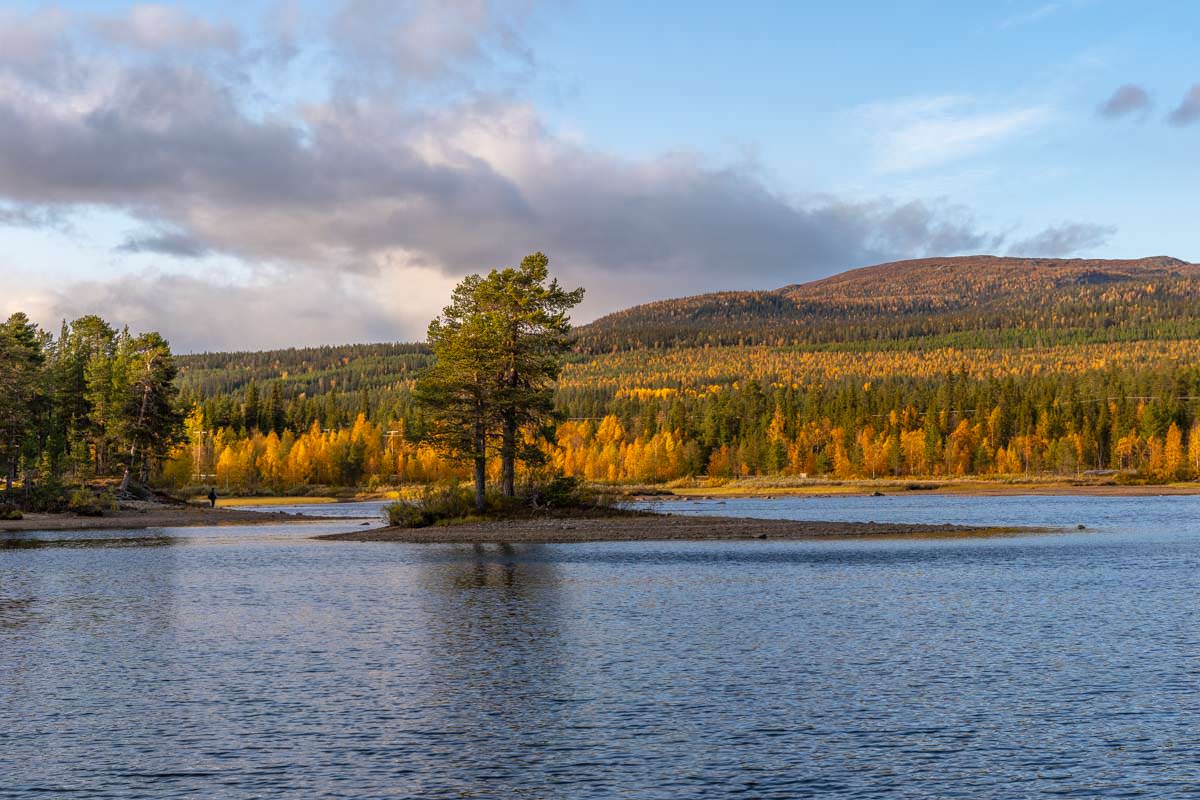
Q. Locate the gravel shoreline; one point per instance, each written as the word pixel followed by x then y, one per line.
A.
pixel 649 527
pixel 159 517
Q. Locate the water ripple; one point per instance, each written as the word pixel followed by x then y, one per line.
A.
pixel 258 664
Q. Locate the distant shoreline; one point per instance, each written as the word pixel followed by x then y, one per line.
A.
pixel 751 488
pixel 768 487
pixel 158 517
pixel 657 527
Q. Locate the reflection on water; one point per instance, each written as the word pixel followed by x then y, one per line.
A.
pixel 255 662
pixel 494 663
pixel 16 611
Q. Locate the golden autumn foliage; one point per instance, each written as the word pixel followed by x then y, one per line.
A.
pixel 938 367
pixel 603 451
pixel 665 373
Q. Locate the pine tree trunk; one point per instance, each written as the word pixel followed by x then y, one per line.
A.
pixel 508 434
pixel 480 468
pixel 508 456
pixel 480 481
pixel 141 421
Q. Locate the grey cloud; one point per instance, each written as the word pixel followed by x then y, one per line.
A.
pixel 29 39
pixel 172 146
pixel 35 49
pixel 361 184
pixel 1063 240
pixel 1127 99
pixel 917 228
pixel 180 245
pixel 1188 110
pixel 32 216
pixel 720 227
pixel 350 186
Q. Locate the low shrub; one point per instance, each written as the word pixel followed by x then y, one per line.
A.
pixel 455 503
pixel 10 512
pixel 401 514
pixel 436 503
pixel 565 493
pixel 447 500
pixel 46 498
pixel 86 503
pixel 561 492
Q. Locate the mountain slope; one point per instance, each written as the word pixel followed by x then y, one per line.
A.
pixel 973 300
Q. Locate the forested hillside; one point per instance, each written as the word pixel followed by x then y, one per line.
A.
pixel 966 302
pixel 937 367
pixel 292 388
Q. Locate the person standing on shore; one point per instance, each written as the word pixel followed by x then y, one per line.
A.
pixel 212 497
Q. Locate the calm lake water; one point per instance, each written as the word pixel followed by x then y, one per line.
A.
pixel 255 662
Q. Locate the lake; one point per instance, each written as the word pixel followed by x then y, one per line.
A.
pixel 255 662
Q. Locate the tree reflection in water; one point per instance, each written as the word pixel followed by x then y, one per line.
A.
pixel 497 656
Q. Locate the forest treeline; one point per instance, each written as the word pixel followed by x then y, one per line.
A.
pixel 91 402
pixel 944 367
pixel 734 412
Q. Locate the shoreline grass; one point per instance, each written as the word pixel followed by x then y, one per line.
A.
pixel 237 502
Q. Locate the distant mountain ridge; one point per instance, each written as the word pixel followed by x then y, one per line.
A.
pixel 980 299
pixel 970 301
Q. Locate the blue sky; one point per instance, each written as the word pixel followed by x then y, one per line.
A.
pixel 272 173
pixel 787 82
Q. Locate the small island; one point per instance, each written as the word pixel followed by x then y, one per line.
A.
pixel 635 527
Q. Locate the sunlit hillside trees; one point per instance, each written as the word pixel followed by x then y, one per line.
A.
pixel 939 367
pixel 1122 413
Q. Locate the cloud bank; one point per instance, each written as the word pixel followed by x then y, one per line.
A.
pixel 412 165
pixel 1058 241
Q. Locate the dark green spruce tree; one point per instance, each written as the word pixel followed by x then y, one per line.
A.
pixel 21 391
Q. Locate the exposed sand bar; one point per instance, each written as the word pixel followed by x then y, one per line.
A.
pixel 655 528
pixel 162 517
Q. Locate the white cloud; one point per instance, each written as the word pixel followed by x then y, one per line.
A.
pixel 921 133
pixel 351 214
pixel 282 310
pixel 1042 11
pixel 1033 15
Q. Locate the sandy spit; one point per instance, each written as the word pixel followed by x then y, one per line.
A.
pixel 653 528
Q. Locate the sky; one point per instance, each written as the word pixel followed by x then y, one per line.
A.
pixel 279 173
